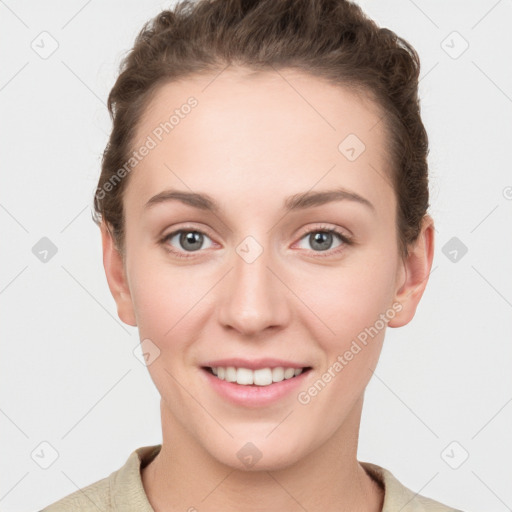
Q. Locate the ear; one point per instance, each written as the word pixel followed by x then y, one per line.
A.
pixel 116 277
pixel 414 274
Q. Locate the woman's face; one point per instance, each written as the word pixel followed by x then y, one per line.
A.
pixel 236 276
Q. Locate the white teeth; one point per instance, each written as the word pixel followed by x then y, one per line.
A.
pixel 278 374
pixel 289 373
pixel 230 374
pixel 260 377
pixel 263 377
pixel 244 376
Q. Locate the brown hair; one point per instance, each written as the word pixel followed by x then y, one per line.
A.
pixel 330 39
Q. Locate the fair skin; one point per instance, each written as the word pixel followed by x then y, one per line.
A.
pixel 250 143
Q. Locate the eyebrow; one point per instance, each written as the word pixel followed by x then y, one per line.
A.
pixel 296 202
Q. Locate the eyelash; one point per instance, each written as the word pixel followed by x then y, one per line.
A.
pixel 320 229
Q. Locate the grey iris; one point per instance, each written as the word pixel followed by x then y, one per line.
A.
pixel 322 240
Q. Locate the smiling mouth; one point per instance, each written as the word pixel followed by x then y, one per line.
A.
pixel 260 377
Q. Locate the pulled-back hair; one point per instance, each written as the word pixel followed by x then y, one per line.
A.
pixel 329 39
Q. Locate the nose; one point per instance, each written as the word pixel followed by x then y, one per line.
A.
pixel 254 298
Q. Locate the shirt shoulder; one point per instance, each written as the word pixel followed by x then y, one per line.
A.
pixel 122 490
pixel 399 497
pixel 93 497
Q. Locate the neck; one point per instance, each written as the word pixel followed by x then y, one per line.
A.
pixel 183 476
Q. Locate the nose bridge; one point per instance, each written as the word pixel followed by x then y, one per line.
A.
pixel 253 298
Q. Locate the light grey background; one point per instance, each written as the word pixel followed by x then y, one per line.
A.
pixel 69 374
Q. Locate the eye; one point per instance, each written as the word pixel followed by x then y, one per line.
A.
pixel 321 239
pixel 185 240
pixel 189 240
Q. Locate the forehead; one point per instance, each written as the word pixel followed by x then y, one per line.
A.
pixel 270 129
pixel 282 95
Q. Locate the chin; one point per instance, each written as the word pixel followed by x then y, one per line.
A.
pixel 258 454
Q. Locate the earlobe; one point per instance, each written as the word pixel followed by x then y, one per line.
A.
pixel 116 277
pixel 415 272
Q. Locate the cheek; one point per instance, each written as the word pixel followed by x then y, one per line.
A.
pixel 347 300
pixel 349 305
pixel 162 299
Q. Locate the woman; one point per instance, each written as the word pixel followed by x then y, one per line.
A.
pixel 283 141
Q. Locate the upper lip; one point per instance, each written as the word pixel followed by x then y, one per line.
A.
pixel 254 364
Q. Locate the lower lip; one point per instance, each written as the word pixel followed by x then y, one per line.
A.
pixel 252 395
